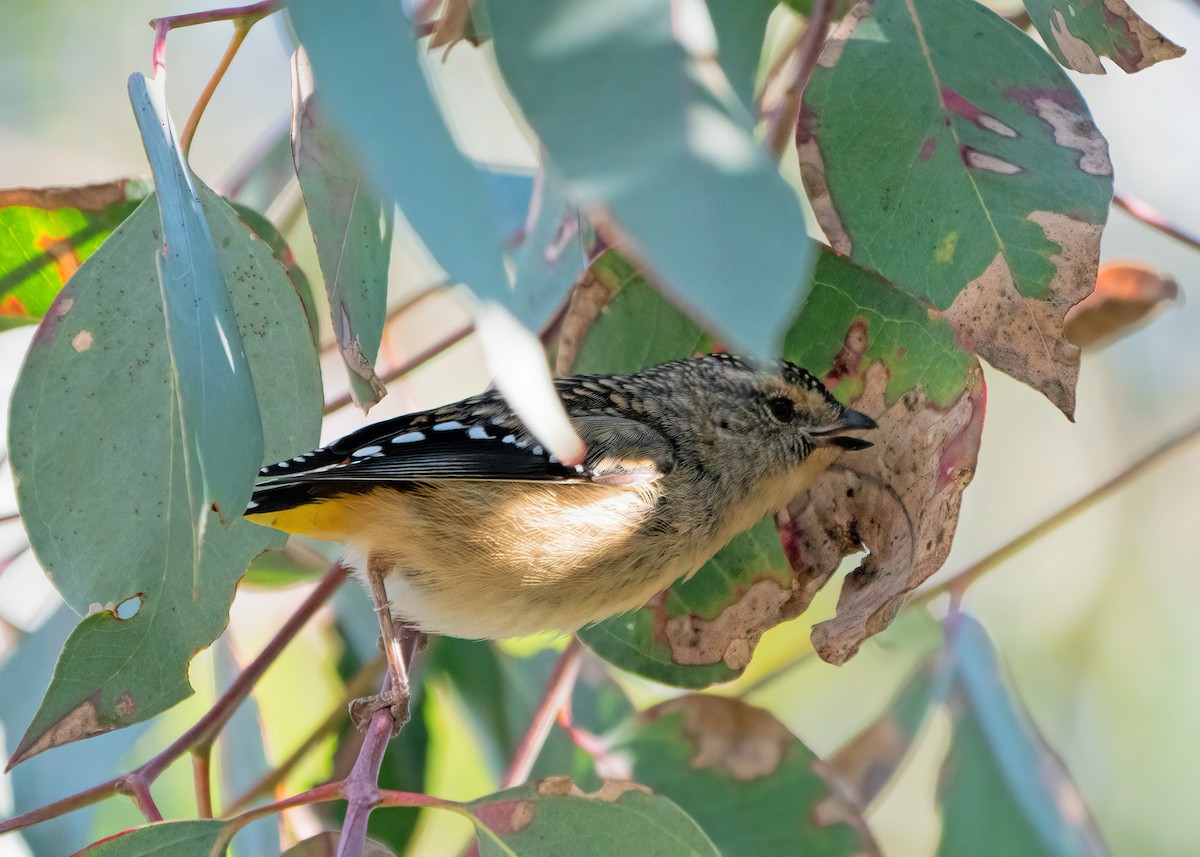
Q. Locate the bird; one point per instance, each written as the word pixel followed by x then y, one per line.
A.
pixel 464 525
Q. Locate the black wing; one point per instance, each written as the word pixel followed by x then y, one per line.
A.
pixel 475 439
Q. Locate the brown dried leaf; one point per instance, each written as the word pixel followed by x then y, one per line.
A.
pixel 1127 296
pixel 900 500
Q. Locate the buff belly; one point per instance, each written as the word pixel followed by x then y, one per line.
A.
pixel 495 559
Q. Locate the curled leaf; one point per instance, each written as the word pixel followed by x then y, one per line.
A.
pixel 1079 32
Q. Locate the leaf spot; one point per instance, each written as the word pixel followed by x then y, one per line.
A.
pixel 82 341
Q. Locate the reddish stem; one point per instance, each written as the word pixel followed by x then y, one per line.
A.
pixel 557 695
pixel 361 786
pixel 202 780
pixel 1139 210
pixel 136 783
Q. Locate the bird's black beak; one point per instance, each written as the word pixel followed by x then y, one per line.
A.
pixel 834 434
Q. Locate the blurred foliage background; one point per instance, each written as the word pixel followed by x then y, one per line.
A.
pixel 1095 624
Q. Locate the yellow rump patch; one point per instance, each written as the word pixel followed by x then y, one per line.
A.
pixel 327 520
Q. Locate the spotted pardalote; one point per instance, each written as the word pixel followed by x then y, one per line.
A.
pixel 482 533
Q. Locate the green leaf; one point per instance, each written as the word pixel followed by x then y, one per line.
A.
pixel 365 56
pixel 1003 790
pixel 47 233
pixel 209 374
pixel 710 754
pixel 164 839
pixel 973 178
pixel 637 327
pixel 94 406
pixel 553 817
pixel 1079 32
pixel 352 229
pixel 675 164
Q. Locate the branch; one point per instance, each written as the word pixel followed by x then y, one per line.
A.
pixel 361 785
pixel 558 693
pixel 956 585
pixel 137 782
pixel 240 30
pixel 359 685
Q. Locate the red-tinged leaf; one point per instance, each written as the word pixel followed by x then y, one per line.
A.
pixel 711 753
pixel 47 233
pixel 972 178
pixel 1127 296
pixel 203 838
pixel 901 364
pixel 1079 32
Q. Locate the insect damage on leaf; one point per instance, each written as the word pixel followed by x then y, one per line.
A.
pixel 1079 33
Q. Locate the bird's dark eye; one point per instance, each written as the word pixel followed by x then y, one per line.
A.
pixel 782 408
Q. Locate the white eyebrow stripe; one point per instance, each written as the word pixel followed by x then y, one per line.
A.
pixel 448 426
pixel 478 433
pixel 409 437
pixel 366 450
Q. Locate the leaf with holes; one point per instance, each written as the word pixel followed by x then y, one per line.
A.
pixel 974 179
pixel 685 179
pixel 1002 789
pixel 352 229
pixel 47 233
pixel 710 753
pixel 880 350
pixel 554 817
pixel 94 406
pixel 1079 32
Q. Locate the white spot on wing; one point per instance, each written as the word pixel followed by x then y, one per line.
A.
pixel 448 426
pixel 366 450
pixel 409 437
pixel 477 433
pixel 251 505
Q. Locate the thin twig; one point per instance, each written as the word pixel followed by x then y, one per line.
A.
pixel 228 13
pixel 956 585
pixel 137 781
pixel 414 362
pixel 781 124
pixel 10 516
pixel 558 691
pixel 202 780
pixel 241 29
pixel 1139 210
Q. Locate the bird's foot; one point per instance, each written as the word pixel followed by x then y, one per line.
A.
pixel 363 710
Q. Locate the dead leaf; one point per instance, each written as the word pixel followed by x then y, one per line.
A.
pixel 899 499
pixel 1128 295
pixel 1090 30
